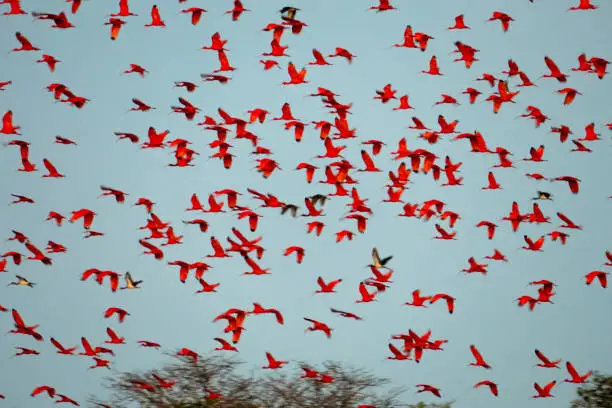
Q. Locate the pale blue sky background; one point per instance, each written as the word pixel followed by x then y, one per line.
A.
pixel 575 328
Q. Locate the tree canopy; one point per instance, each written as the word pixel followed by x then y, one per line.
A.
pixel 216 382
pixel 597 393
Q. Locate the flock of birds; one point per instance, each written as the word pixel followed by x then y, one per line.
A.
pixel 338 175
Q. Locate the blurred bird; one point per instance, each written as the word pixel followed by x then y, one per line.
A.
pixel 288 13
pixel 21 281
pixel 543 195
pixel 378 262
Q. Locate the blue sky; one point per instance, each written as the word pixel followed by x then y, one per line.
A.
pixel 168 312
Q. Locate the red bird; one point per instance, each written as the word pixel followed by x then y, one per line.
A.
pixel 397 354
pixel 51 169
pixel 118 194
pixel 545 362
pixel 22 328
pixel 137 69
pixel 599 275
pixel 504 18
pixel 480 362
pixel 145 343
pixel 327 287
pixel 544 392
pixel 26 45
pixel 37 254
pixel 64 141
pixel 433 67
pixel 341 52
pixel 555 72
pixel 86 214
pixel 75 5
pixel 113 338
pixel 59 20
pixel 115 24
pixel 15 8
pixel 429 388
pixel 25 351
pixel 156 20
pixel 568 223
pixel 492 386
pixel 121 313
pixel 268 64
pixel 493 184
pixel 319 326
pixel 8 128
pixel 408 39
pixel 296 77
pixel 572 182
pixel 273 363
pixel 50 61
pixel 21 199
pixel 490 228
pixel 459 24
pixel 345 314
pixel 475 267
pixel 237 11
pixel 124 10
pixel 319 58
pixel 570 95
pixel 189 86
pixel 140 106
pixel 583 5
pixel 196 14
pixel 61 349
pixel 224 64
pixel 599 66
pixel 299 253
pixel 383 5
pixel 206 287
pixel 163 383
pixel 43 388
pixel 225 345
pixel 533 246
pixel 152 249
pixel 217 44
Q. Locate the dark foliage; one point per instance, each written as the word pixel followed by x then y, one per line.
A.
pixel 284 388
pixel 597 393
